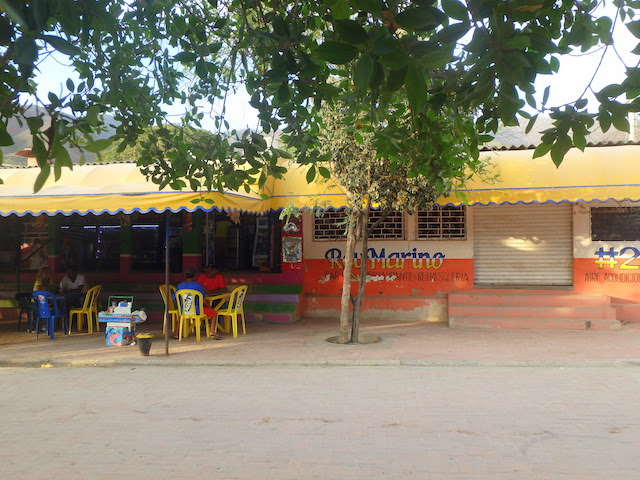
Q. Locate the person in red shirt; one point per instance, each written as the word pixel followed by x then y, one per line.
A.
pixel 212 281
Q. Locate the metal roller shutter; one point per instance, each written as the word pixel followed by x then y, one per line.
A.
pixel 523 244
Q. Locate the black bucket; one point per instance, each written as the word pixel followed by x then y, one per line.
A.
pixel 144 344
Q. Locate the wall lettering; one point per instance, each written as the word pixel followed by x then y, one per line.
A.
pixel 382 260
pixel 624 259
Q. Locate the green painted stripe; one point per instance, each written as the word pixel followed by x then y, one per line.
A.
pixel 270 307
pixel 275 288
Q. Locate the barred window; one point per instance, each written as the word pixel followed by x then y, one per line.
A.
pixel 332 226
pixel 391 227
pixel 442 222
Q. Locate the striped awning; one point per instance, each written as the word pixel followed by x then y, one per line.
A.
pixel 513 176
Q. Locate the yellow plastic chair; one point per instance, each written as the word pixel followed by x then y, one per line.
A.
pixel 233 310
pixel 172 309
pixel 191 310
pixel 89 309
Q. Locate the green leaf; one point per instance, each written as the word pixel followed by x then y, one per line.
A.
pixel 5 137
pixel 542 150
pixel 580 141
pixel 420 18
pixel 351 31
pixel 371 6
pixel 634 28
pixel 340 9
pixel 581 103
pixel 560 149
pixel 185 57
pixel 99 145
pixel 25 50
pixel 311 174
pixel 395 61
pixel 63 158
pixel 531 123
pixel 385 45
pixel 45 170
pixel 518 42
pixel 362 72
pixel 395 79
pixel 452 33
pixel 620 122
pixel 545 95
pixel 338 53
pixel 92 116
pixel 455 9
pixel 13 12
pixel 324 172
pixel 612 91
pixel 438 58
pixel 62 45
pixel 415 87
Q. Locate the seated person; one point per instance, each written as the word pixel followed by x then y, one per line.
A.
pixel 212 281
pixel 190 284
pixel 44 280
pixel 73 282
pixel 74 286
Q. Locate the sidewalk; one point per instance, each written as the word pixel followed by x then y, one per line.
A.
pixel 304 343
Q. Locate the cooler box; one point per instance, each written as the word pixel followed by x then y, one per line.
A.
pixel 119 333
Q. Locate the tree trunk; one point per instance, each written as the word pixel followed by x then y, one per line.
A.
pixel 357 304
pixel 345 301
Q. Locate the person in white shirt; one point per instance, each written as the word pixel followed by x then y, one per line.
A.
pixel 73 282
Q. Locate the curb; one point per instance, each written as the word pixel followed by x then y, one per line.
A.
pixel 158 362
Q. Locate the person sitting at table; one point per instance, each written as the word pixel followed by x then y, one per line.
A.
pixel 190 284
pixel 44 280
pixel 212 281
pixel 73 282
pixel 73 286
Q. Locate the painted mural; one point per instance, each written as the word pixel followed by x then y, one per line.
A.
pixel 394 272
pixel 611 271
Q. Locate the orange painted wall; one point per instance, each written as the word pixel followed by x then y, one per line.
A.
pixel 617 276
pixel 392 276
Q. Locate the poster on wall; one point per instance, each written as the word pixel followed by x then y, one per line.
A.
pixel 33 247
pixel 292 249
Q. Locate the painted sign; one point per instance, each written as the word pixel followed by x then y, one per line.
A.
pixel 408 272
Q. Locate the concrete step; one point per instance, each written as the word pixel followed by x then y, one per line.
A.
pixel 527 298
pixel 530 311
pixel 534 323
pixel 627 312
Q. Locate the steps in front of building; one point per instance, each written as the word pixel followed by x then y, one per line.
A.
pixel 627 311
pixel 530 310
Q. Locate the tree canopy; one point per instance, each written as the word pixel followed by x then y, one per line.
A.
pixel 136 60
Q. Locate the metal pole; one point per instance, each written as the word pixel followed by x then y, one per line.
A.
pixel 166 283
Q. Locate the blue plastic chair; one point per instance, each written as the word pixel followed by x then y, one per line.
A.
pixel 47 308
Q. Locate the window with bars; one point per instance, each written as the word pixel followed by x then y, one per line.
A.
pixel 442 223
pixel 332 226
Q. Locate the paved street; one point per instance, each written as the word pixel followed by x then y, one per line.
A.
pixel 314 422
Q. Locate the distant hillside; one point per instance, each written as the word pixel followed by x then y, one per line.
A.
pixel 516 136
pixel 22 139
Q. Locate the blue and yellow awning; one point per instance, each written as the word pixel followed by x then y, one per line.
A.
pixel 108 188
pixel 513 176
pixel 598 174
